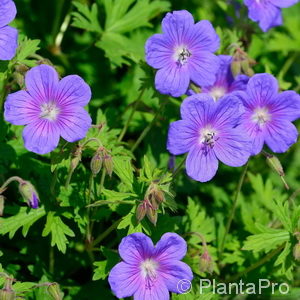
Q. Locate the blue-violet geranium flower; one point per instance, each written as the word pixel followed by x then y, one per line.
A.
pixel 49 108
pixel 183 53
pixel 269 114
pixel 267 12
pixel 209 131
pixel 148 271
pixel 8 35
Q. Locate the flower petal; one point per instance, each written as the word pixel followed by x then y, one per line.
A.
pixel 8 42
pixel 74 123
pixel 124 280
pixel 283 3
pixel 233 147
pixel 203 67
pixel 8 12
pixel 254 131
pixel 177 25
pixel 20 108
pixel 265 13
pixel 201 165
pixel 239 83
pixel 41 136
pixel 272 17
pixel 280 135
pixel 158 51
pixel 171 246
pixel 203 37
pixel 228 112
pixel 261 89
pixel 172 80
pixel 286 105
pixel 197 109
pixel 73 90
pixel 181 137
pixel 157 291
pixel 41 82
pixel 177 276
pixel 135 247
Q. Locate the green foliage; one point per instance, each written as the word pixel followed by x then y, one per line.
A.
pixel 58 230
pixel 74 236
pixel 24 218
pixel 86 18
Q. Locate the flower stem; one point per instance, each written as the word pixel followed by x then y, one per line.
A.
pixel 107 232
pixel 259 263
pixel 287 65
pixel 102 181
pixel 178 169
pixel 8 181
pixel 236 198
pixel 147 129
pixel 88 230
pixel 134 108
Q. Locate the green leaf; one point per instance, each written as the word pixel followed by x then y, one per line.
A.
pixel 26 49
pixel 24 218
pixel 104 267
pixel 268 240
pixel 281 210
pixel 124 170
pixel 121 19
pixel 21 287
pixel 59 231
pixel 86 18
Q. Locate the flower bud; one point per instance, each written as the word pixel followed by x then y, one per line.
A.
pixel 108 164
pixel 297 252
pixel 96 163
pixel 275 164
pixel 54 291
pixel 1 205
pixel 152 215
pixel 141 211
pixel 206 263
pixel 236 68
pixel 158 195
pixel 245 65
pixel 7 295
pixel 29 193
pixel 76 158
pixel 151 201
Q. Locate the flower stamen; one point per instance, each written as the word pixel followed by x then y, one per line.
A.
pixel 148 270
pixel 181 55
pixel 261 116
pixel 208 137
pixel 49 111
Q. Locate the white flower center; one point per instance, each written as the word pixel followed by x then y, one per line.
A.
pixel 261 116
pixel 148 268
pixel 217 92
pixel 49 111
pixel 208 136
pixel 181 55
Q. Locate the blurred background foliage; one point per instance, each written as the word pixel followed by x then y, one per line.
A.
pixel 103 42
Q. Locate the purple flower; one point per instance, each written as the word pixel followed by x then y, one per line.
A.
pixel 29 193
pixel 209 132
pixel 8 35
pixel 267 12
pixel 148 271
pixel 269 114
pixel 225 82
pixel 50 108
pixel 182 53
